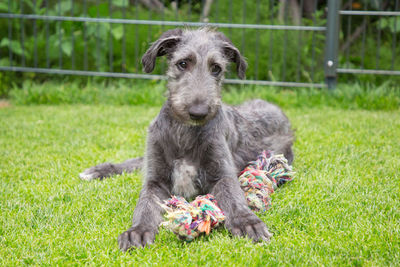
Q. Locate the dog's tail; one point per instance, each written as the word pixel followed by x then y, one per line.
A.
pixel 109 169
pixel 133 164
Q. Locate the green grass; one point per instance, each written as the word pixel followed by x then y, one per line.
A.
pixel 341 209
pixel 136 92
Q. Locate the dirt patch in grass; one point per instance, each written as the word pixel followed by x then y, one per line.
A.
pixel 4 103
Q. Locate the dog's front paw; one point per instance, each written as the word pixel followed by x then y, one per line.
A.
pixel 248 224
pixel 98 172
pixel 136 237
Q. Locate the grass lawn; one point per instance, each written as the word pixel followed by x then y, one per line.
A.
pixel 341 209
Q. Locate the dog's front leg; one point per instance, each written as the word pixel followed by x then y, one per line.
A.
pixel 240 220
pixel 146 218
pixel 148 212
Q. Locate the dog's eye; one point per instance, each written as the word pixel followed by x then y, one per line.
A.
pixel 215 69
pixel 182 65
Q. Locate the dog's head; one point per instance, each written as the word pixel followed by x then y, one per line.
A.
pixel 198 60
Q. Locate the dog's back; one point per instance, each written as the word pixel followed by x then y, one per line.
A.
pixel 259 125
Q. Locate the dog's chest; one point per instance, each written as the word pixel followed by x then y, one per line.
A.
pixel 185 178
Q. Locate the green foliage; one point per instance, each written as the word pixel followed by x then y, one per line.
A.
pixel 373 43
pixel 274 55
pixel 278 58
pixel 14 45
pixel 5 81
pixel 341 209
pixel 124 92
pixel 391 23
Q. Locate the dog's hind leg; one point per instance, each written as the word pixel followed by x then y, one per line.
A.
pixel 108 169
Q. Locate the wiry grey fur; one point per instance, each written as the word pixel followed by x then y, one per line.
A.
pixel 196 144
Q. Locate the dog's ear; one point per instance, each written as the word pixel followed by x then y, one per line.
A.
pixel 166 44
pixel 233 55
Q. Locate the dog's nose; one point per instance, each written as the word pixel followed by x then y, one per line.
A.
pixel 198 112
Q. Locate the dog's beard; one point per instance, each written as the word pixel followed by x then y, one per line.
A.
pixel 179 113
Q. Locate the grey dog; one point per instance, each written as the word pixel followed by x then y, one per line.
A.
pixel 197 144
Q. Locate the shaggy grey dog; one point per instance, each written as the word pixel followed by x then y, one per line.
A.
pixel 196 144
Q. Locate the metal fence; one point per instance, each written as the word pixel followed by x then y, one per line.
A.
pixel 293 43
pixel 378 17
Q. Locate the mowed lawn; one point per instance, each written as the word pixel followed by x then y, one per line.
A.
pixel 343 208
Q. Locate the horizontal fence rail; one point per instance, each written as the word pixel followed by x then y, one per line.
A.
pixel 369 71
pixel 164 23
pixel 369 13
pixel 151 76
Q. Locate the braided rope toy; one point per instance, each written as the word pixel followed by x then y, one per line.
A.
pixel 258 181
pixel 189 220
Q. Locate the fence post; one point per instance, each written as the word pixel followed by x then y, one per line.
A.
pixel 332 43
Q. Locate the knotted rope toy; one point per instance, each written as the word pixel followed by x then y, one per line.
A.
pixel 258 181
pixel 189 220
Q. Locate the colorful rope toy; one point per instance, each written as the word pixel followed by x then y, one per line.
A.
pixel 258 181
pixel 188 220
